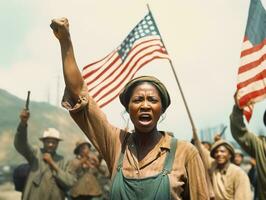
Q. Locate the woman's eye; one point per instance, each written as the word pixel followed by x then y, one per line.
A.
pixel 153 100
pixel 136 100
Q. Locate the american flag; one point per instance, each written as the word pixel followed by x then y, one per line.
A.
pixel 251 83
pixel 105 78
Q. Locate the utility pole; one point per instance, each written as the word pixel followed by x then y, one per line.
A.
pixel 57 91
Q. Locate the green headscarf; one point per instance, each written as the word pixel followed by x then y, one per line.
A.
pixel 127 91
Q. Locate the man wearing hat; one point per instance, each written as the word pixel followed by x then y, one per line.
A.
pixel 49 178
pixel 229 181
pixel 252 144
pixel 85 166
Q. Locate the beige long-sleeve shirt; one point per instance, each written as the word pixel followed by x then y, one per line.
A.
pixel 229 183
pixel 187 175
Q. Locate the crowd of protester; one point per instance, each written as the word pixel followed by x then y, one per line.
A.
pixel 143 164
pixel 233 171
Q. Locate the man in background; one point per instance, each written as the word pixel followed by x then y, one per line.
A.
pixel 252 144
pixel 229 181
pixel 49 177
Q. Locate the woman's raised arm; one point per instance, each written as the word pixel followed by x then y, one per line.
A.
pixel 72 76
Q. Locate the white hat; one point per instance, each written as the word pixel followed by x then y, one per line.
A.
pixel 51 133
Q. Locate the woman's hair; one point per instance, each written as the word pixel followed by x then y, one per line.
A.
pixel 126 93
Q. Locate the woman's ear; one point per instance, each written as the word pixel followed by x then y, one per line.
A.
pixel 162 117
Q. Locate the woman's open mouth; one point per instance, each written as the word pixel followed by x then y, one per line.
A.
pixel 145 119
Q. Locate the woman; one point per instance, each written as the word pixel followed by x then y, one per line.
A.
pixel 145 164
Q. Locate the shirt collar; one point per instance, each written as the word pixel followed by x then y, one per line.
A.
pixel 164 142
pixel 224 170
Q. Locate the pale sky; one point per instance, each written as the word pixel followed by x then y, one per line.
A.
pixel 203 39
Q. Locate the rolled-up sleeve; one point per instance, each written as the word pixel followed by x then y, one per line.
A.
pixel 86 113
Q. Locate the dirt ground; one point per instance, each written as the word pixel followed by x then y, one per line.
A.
pixel 7 192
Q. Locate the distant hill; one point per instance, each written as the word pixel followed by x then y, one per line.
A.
pixel 42 115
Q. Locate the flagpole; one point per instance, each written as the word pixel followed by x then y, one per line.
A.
pixel 195 136
pixel 196 139
pixel 194 130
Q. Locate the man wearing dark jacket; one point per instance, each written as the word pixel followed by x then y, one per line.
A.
pixel 254 145
pixel 49 177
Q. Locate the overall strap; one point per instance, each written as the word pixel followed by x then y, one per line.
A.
pixel 123 149
pixel 168 163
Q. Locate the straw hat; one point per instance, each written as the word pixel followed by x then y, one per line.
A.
pixel 51 133
pixel 79 144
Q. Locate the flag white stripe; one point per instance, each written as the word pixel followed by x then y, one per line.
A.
pixel 251 73
pixel 252 57
pixel 97 81
pixel 146 38
pixel 246 45
pixel 259 98
pixel 254 86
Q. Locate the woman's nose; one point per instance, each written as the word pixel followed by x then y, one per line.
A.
pixel 145 104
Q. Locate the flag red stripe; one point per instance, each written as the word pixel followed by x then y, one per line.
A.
pixel 111 99
pixel 253 49
pixel 125 66
pixel 245 39
pixel 251 65
pixel 257 77
pixel 244 100
pixel 84 68
pixel 109 75
pixel 108 66
pixel 141 43
pixel 95 70
pixel 248 112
